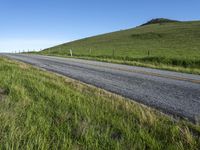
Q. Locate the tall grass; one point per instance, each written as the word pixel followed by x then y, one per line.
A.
pixel 40 110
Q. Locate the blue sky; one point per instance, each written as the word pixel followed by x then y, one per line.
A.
pixel 37 24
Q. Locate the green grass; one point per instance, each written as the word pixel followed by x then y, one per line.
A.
pixel 41 110
pixel 172 44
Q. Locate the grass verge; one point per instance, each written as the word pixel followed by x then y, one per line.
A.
pixel 40 110
pixel 144 62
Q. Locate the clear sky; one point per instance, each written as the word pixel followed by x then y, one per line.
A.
pixel 38 24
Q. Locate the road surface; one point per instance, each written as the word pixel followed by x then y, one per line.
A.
pixel 171 92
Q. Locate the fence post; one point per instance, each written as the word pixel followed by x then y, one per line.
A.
pixel 71 52
pixel 148 53
pixel 90 51
pixel 113 53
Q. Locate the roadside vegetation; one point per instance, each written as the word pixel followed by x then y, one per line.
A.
pixel 41 110
pixel 160 43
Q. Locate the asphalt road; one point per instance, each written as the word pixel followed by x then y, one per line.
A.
pixel 171 92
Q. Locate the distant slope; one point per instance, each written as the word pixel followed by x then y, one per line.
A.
pixel 169 43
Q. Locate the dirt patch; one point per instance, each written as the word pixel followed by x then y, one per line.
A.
pixel 2 94
pixel 116 135
pixel 23 66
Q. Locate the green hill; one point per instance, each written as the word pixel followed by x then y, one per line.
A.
pixel 159 43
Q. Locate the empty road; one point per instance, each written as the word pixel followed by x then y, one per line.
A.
pixel 171 92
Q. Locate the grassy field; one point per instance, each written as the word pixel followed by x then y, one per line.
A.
pixel 169 45
pixel 41 110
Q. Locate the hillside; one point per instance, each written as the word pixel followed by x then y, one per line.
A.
pixel 174 44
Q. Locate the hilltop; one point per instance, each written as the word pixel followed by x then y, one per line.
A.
pixel 159 21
